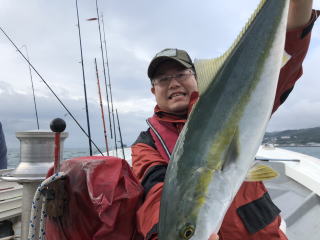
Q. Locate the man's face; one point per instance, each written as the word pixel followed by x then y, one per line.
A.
pixel 173 94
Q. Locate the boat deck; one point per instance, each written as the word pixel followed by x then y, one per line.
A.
pixel 10 199
pixel 296 191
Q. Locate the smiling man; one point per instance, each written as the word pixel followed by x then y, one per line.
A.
pixel 252 215
pixel 173 85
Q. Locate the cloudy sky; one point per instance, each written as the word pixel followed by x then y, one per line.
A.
pixel 135 31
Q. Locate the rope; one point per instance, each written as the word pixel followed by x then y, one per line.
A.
pixel 38 214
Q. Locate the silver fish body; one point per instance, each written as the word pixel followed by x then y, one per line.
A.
pixel 218 143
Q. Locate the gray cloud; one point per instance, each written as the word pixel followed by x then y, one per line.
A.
pixel 131 120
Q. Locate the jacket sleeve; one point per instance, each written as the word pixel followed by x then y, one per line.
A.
pixel 296 47
pixel 150 168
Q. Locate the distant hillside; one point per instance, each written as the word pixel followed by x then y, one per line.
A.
pixel 308 136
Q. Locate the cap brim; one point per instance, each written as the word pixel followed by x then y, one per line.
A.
pixel 156 61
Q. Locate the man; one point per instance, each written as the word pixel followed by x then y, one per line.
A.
pixel 3 150
pixel 173 82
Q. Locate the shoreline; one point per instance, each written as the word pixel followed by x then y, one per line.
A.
pixel 278 145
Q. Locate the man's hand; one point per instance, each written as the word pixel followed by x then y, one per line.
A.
pixel 214 236
pixel 299 13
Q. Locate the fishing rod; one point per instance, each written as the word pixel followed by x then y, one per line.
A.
pixel 104 69
pixel 124 157
pixel 44 81
pixel 101 107
pixel 84 81
pixel 112 112
pixel 34 97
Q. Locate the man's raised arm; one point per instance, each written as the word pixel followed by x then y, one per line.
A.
pixel 299 13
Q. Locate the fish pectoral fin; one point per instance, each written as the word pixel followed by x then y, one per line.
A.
pixel 260 172
pixel 232 151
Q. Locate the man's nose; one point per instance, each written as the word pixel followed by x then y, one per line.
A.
pixel 174 83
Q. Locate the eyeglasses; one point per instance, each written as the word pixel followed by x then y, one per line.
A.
pixel 180 77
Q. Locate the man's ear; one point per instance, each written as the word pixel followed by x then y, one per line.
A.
pixel 153 90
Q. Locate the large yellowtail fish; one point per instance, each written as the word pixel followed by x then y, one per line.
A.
pixel 218 143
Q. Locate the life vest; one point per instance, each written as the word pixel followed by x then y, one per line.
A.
pixel 251 216
pixel 164 135
pixel 103 196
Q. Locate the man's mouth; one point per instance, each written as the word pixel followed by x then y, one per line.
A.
pixel 177 95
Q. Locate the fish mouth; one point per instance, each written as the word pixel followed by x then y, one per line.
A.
pixel 176 94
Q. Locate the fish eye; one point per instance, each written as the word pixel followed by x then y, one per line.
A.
pixel 187 231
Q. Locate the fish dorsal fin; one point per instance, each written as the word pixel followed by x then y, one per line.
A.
pixel 260 172
pixel 207 69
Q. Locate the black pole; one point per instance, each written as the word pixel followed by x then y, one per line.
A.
pixel 84 82
pixel 48 86
pixel 112 112
pixel 34 97
pixel 104 69
pixel 124 157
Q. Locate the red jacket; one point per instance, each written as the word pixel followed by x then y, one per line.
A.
pixel 149 160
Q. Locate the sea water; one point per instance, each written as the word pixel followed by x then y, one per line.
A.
pixel 14 154
pixel 312 151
